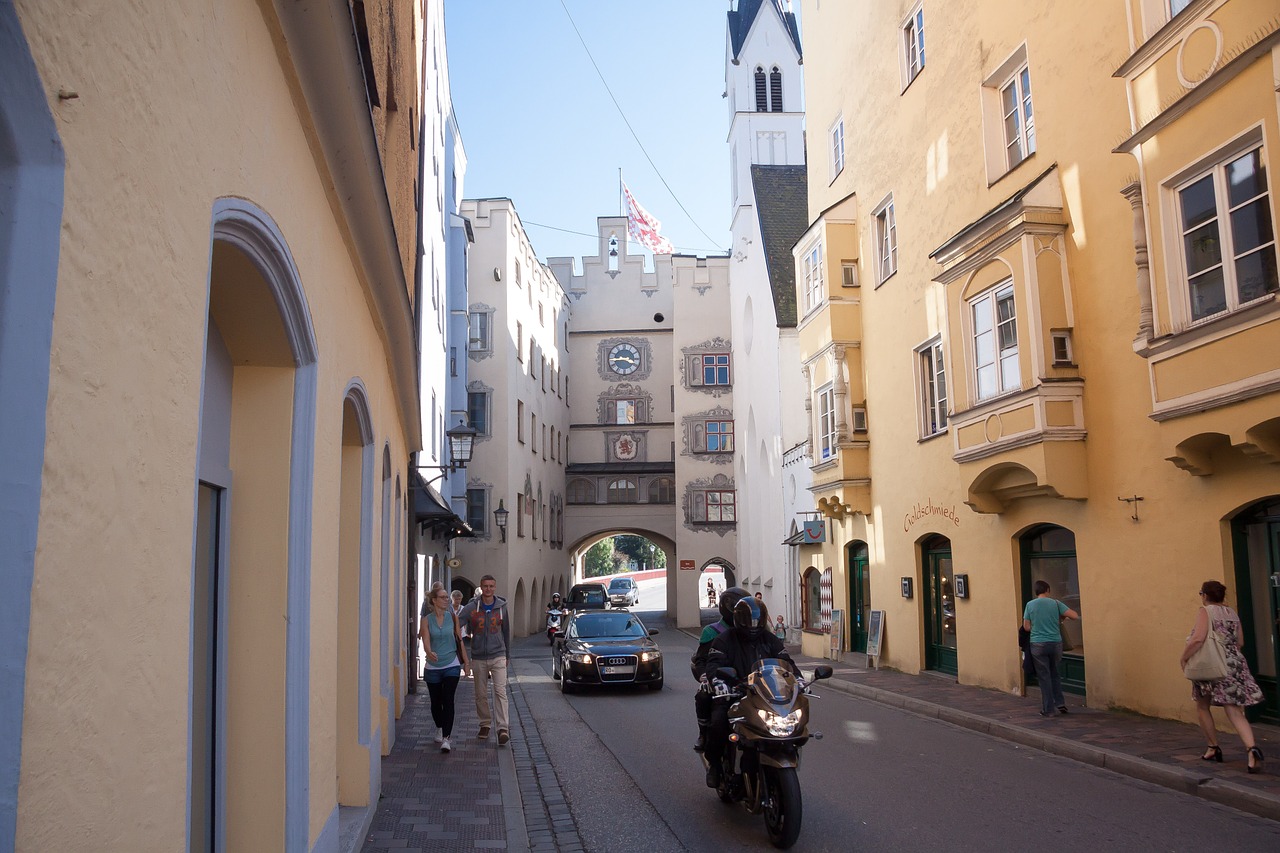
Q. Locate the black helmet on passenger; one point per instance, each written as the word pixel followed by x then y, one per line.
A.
pixel 728 599
pixel 750 618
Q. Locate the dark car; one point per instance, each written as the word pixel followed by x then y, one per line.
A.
pixel 623 592
pixel 599 647
pixel 587 596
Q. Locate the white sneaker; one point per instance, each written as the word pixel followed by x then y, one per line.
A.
pixel 439 735
pixel 445 746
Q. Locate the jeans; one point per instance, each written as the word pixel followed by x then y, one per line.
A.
pixel 442 684
pixel 495 670
pixel 1048 659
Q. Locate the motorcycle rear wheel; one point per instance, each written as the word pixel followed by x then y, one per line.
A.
pixel 784 810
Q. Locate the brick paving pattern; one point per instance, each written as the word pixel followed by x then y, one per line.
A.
pixel 547 817
pixel 435 801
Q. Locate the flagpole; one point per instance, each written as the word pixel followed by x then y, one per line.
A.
pixel 619 190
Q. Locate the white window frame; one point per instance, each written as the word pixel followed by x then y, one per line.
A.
pixel 480 331
pixel 836 137
pixel 912 41
pixel 1004 363
pixel 884 229
pixel 1215 166
pixel 812 277
pixel 993 128
pixel 931 376
pixel 1019 84
pixel 723 433
pixel 826 432
pixel 626 411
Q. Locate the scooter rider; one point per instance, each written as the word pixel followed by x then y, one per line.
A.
pixel 748 642
pixel 702 700
pixel 555 611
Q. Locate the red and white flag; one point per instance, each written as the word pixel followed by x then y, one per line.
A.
pixel 644 227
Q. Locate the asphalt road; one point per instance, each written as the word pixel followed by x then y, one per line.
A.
pixel 882 779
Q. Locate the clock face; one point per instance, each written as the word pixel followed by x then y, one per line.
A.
pixel 624 359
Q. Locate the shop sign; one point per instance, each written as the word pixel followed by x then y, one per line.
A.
pixel 688 565
pixel 928 509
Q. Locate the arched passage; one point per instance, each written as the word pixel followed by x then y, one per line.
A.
pixel 250 669
pixel 355 586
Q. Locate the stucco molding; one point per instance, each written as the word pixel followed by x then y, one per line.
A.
pixel 606 345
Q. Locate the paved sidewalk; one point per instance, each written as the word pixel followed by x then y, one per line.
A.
pixel 480 796
pixel 1163 752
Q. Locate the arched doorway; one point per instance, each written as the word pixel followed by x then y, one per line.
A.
pixel 250 685
pixel 940 652
pixel 1255 539
pixel 1048 553
pixel 856 558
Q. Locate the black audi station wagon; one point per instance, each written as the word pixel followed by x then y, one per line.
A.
pixel 599 647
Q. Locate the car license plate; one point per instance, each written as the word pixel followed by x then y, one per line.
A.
pixel 617 670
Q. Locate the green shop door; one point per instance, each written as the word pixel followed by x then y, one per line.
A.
pixel 940 608
pixel 1049 554
pixel 1256 542
pixel 859 595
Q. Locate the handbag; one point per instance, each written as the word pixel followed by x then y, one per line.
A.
pixel 1209 662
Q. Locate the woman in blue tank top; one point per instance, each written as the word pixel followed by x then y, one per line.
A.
pixel 445 656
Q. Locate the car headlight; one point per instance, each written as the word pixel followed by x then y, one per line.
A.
pixel 650 655
pixel 777 725
pixel 581 657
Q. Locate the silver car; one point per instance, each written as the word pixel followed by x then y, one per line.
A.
pixel 623 592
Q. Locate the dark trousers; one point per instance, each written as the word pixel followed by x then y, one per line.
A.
pixel 717 732
pixel 702 703
pixel 1048 660
pixel 442 690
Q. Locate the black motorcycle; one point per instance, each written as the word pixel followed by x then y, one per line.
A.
pixel 769 722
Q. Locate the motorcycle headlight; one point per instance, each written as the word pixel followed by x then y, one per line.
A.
pixel 581 657
pixel 777 725
pixel 653 654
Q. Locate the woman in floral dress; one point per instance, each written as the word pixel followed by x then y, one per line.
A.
pixel 1235 691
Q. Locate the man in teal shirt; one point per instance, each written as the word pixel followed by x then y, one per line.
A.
pixel 1041 617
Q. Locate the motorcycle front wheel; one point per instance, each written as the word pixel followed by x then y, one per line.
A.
pixel 784 809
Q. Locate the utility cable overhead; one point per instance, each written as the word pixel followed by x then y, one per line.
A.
pixel 627 122
pixel 682 249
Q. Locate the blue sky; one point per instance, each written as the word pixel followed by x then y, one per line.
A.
pixel 540 128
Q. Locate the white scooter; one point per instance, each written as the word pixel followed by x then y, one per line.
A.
pixel 555 616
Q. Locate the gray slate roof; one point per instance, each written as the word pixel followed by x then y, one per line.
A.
pixel 740 23
pixel 782 206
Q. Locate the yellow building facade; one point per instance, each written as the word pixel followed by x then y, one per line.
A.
pixel 209 395
pixel 1040 332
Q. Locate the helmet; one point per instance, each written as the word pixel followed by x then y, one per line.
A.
pixel 750 618
pixel 555 596
pixel 728 599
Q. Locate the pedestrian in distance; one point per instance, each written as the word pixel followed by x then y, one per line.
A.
pixel 456 600
pixel 440 633
pixel 1235 691
pixel 487 622
pixel 1043 618
pixel 780 628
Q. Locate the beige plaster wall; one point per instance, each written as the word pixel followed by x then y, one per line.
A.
pixel 175 106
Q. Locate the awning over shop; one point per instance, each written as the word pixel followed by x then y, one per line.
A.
pixel 431 509
pixel 796 538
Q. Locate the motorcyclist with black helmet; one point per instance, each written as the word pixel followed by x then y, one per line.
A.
pixel 702 700
pixel 740 648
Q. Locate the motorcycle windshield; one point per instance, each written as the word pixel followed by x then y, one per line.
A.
pixel 774 681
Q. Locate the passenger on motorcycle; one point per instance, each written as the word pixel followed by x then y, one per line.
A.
pixel 748 642
pixel 702 700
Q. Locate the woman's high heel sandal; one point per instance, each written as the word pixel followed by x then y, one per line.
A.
pixel 1212 753
pixel 1256 755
